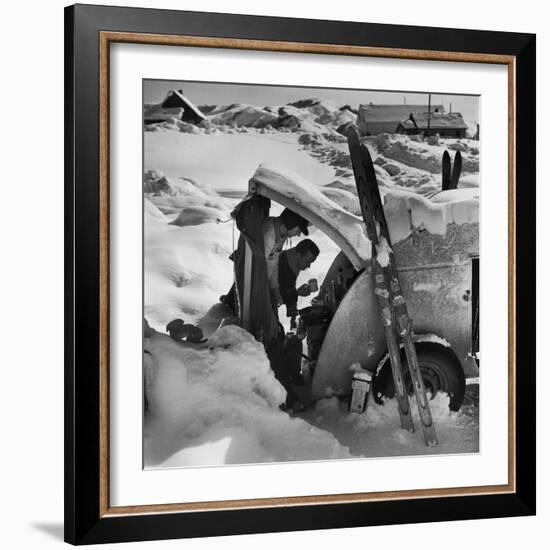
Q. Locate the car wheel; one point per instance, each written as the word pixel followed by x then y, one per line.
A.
pixel 439 373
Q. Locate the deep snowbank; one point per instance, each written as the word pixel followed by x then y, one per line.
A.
pixel 219 404
pixel 186 270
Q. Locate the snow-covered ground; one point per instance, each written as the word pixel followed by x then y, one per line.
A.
pixel 218 402
pixel 377 431
pixel 210 159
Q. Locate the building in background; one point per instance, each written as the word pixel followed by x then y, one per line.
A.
pixel 377 119
pixel 427 124
pixel 175 105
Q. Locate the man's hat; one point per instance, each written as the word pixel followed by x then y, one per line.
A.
pixel 290 219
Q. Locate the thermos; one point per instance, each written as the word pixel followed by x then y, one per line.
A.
pixel 360 390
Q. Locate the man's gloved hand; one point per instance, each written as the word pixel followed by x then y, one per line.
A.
pixel 304 290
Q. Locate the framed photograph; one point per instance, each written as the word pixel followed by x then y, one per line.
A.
pixel 299 274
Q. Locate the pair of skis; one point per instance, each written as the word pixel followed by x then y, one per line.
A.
pixel 392 305
pixel 450 177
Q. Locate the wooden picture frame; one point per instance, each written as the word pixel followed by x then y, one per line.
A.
pixel 89 33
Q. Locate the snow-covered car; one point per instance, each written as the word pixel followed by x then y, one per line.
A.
pixel 436 246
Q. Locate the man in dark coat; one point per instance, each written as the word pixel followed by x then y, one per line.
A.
pixel 290 263
pixel 286 355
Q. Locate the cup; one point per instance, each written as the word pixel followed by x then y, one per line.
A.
pixel 313 286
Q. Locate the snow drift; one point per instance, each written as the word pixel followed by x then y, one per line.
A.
pixel 171 195
pixel 419 154
pixel 186 270
pixel 219 404
pixel 197 215
pixel 406 211
pixel 243 115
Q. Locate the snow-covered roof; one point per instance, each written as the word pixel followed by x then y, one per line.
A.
pixel 371 112
pixel 293 191
pixel 437 120
pixel 185 103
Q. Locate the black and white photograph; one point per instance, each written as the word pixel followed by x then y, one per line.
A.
pixel 275 275
pixel 311 273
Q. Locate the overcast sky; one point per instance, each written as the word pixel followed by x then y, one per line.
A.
pixel 209 93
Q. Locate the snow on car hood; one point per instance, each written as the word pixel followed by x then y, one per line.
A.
pixel 294 192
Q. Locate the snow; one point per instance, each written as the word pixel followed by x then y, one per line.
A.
pixel 469 180
pixel 436 121
pixel 171 194
pixel 383 251
pixel 456 195
pixel 151 111
pixel 218 402
pixel 217 160
pixel 431 338
pixel 297 189
pixel 152 215
pixel 197 215
pixel 347 200
pixel 424 156
pixel 406 211
pixel 244 115
pixel 377 431
pixel 186 270
pixel 320 117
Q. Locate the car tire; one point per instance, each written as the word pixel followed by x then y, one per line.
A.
pixel 439 372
